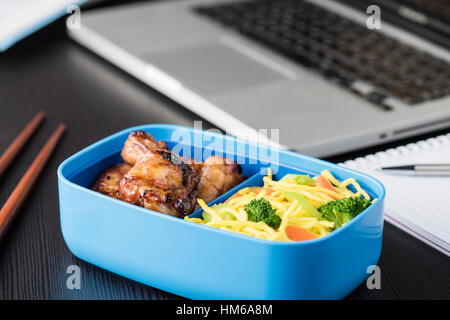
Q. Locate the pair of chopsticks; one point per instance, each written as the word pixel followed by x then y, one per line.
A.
pixel 9 210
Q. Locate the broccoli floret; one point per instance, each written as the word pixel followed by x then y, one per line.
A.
pixel 342 211
pixel 261 210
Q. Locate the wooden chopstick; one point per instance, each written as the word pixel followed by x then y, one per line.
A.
pixel 14 148
pixel 9 210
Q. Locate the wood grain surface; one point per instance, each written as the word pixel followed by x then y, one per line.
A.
pixel 49 72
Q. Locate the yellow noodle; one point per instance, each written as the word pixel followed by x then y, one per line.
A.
pixel 290 212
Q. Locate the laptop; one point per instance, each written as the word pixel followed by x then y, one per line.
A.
pixel 314 70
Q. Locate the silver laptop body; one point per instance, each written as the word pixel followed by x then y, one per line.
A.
pixel 236 83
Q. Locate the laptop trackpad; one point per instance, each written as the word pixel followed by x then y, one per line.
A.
pixel 213 68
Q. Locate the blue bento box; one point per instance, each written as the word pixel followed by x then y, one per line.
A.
pixel 200 262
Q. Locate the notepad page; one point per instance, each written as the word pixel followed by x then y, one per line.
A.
pixel 420 204
pixel 18 17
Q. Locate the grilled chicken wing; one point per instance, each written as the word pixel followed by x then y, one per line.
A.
pixel 163 182
pixel 108 181
pixel 155 178
pixel 217 176
pixel 138 144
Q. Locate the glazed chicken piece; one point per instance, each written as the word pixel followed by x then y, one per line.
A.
pixel 217 176
pixel 155 178
pixel 108 181
pixel 138 144
pixel 163 182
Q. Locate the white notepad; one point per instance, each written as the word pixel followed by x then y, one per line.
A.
pixel 417 205
pixel 19 18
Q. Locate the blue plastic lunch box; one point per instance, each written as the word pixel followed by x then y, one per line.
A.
pixel 201 262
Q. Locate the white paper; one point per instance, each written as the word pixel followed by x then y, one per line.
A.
pixel 419 205
pixel 18 18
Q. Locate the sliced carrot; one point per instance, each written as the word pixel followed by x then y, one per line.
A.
pixel 322 182
pixel 299 234
pixel 255 190
pixel 236 195
pixel 258 190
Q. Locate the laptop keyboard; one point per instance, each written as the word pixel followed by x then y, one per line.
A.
pixel 341 50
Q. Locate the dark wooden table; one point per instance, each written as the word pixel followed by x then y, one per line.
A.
pixel 47 71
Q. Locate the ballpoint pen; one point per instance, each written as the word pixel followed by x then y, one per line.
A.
pixel 437 169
